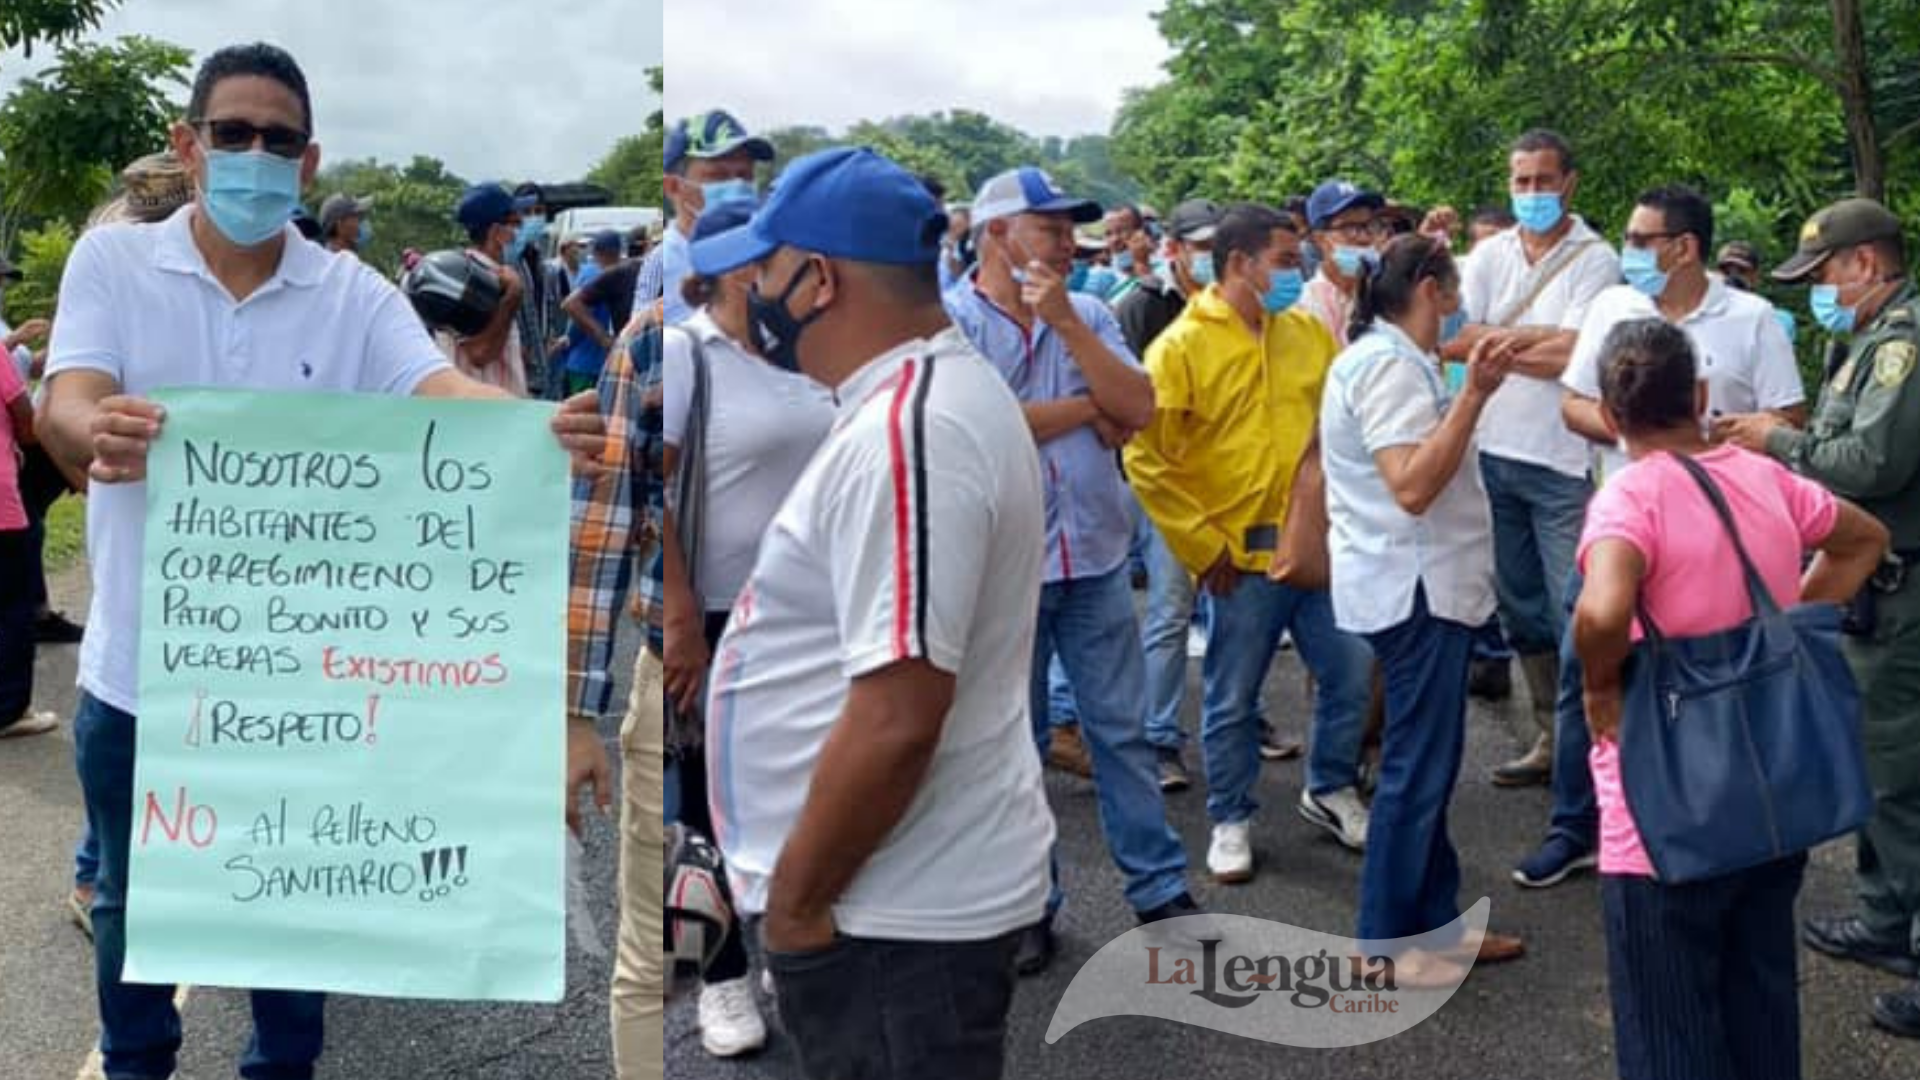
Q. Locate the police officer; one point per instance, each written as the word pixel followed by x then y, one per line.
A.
pixel 1864 443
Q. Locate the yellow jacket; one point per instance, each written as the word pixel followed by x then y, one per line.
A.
pixel 1236 413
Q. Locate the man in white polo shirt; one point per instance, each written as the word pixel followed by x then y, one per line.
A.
pixel 872 774
pixel 223 293
pixel 1747 365
pixel 1531 286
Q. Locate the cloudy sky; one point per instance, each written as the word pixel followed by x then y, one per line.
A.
pixel 534 89
pixel 1049 67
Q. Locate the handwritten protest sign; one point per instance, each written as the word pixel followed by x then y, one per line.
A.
pixel 352 655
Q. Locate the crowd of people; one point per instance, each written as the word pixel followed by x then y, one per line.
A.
pixel 883 473
pixel 1337 425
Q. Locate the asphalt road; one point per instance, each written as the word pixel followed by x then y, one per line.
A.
pixel 48 1020
pixel 1544 1017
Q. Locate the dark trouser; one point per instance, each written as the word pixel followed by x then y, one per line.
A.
pixel 17 606
pixel 41 485
pixel 1888 669
pixel 1576 813
pixel 1410 881
pixel 898 1010
pixel 1702 975
pixel 139 1027
pixel 691 763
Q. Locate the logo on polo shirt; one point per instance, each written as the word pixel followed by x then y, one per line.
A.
pixel 1270 980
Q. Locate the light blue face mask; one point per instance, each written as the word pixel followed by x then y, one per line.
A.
pixel 1641 268
pixel 1451 326
pixel 532 229
pixel 1283 291
pixel 1123 262
pixel 250 194
pixel 1161 269
pixel 1201 269
pixel 1351 260
pixel 1538 212
pixel 1824 300
pixel 725 191
pixel 365 234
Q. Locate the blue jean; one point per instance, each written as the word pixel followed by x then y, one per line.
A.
pixel 139 1027
pixel 1243 632
pixel 1410 882
pixel 1576 812
pixel 1062 709
pixel 1089 624
pixel 1163 636
pixel 1537 514
pixel 1490 642
pixel 1703 975
pixel 86 858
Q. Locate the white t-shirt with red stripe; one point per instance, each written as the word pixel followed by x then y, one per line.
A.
pixel 915 533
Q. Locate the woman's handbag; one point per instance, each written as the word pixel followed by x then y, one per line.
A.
pixel 1744 746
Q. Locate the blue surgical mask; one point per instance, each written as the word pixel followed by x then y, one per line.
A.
pixel 250 194
pixel 1827 310
pixel 1077 279
pixel 1641 268
pixel 1161 269
pixel 1201 269
pixel 1351 260
pixel 725 191
pixel 1123 262
pixel 532 229
pixel 1538 212
pixel 1451 325
pixel 1283 291
pixel 365 234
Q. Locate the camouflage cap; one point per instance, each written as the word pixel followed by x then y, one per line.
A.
pixel 156 186
pixel 1845 224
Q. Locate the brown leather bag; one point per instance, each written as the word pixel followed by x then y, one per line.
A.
pixel 1301 559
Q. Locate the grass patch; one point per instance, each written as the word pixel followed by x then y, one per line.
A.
pixel 66 533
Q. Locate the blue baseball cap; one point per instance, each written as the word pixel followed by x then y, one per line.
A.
pixel 711 135
pixel 489 204
pixel 1028 190
pixel 845 203
pixel 1336 197
pixel 717 221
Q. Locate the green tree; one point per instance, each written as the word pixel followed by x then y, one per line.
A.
pixel 43 257
pixel 23 23
pixel 631 170
pixel 65 132
pixel 1266 100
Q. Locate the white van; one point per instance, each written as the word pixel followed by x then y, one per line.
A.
pixel 587 220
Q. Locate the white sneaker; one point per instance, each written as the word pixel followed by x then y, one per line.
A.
pixel 730 1023
pixel 30 723
pixel 1230 855
pixel 1341 813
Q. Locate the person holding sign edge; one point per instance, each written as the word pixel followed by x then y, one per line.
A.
pixel 223 293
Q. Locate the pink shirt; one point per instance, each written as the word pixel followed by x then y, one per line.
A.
pixel 1694 584
pixel 13 512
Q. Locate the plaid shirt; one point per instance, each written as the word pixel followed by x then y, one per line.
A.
pixel 607 532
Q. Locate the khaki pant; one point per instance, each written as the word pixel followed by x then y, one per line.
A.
pixel 639 979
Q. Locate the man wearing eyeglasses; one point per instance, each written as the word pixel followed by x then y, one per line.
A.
pixel 1347 230
pixel 222 293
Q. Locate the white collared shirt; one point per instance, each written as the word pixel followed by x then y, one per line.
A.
pixel 1522 420
pixel 1384 392
pixel 1743 352
pixel 138 303
pixel 915 533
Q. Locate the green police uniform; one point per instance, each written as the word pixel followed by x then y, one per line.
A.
pixel 1864 444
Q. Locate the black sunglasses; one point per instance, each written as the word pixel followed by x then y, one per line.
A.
pixel 239 135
